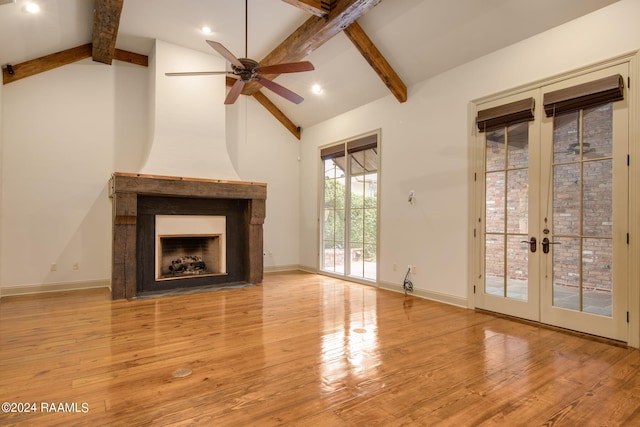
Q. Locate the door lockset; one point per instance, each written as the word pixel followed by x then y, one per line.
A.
pixel 545 244
pixel 532 244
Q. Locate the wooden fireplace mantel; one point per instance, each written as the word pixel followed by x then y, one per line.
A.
pixel 125 188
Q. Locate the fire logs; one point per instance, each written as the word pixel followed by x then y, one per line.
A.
pixel 188 264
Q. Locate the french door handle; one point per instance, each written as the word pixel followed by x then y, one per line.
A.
pixel 532 243
pixel 545 244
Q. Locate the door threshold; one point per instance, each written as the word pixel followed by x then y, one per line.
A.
pixel 591 337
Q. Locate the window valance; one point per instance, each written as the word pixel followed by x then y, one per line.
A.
pixel 586 95
pixel 507 114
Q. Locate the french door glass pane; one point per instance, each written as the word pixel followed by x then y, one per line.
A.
pixel 507 212
pixel 598 132
pixel 583 210
pixel 517 267
pixel 597 200
pixel 495 150
pixel 518 201
pixel 494 264
pixel 566 146
pixel 494 203
pixel 566 273
pixel 597 260
pixel 518 156
pixel 567 185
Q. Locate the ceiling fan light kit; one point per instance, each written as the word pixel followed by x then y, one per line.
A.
pixel 247 70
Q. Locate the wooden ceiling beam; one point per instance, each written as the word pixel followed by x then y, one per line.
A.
pixel 377 61
pixel 319 8
pixel 106 20
pixel 46 63
pixel 277 113
pixel 313 33
pixel 271 107
pixel 58 59
pixel 131 57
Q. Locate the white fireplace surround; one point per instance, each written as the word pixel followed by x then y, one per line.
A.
pixel 192 225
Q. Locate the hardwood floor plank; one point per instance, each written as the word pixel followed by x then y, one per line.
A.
pixel 302 349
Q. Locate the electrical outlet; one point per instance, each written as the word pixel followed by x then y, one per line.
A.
pixel 76 265
pixel 54 266
pixel 395 267
pixel 413 269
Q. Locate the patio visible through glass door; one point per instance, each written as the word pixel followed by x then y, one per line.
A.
pixel 554 212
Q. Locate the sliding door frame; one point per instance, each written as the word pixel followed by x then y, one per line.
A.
pixel 320 191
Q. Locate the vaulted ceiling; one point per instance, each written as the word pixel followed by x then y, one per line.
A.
pixel 362 50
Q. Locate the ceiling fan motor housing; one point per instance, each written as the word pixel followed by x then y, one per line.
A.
pixel 248 72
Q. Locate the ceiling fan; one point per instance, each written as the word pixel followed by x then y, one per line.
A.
pixel 248 70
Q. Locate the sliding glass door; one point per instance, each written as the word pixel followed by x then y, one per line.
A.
pixel 349 218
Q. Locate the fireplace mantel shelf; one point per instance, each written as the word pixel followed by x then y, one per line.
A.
pixel 125 188
pixel 182 186
pixel 182 178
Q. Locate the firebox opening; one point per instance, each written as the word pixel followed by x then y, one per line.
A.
pixel 188 246
pixel 183 256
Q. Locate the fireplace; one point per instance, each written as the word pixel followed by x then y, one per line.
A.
pixel 171 232
pixel 187 256
pixel 190 245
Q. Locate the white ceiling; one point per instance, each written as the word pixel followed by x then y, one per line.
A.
pixel 419 38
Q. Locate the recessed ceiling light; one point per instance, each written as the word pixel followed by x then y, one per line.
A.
pixel 206 30
pixel 317 89
pixel 32 8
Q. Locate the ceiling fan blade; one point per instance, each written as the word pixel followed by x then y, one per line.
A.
pixel 196 73
pixel 218 47
pixel 291 67
pixel 235 91
pixel 280 90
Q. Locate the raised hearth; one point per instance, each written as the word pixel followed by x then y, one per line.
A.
pixel 139 199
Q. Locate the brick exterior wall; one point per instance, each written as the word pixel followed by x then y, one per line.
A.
pixel 582 177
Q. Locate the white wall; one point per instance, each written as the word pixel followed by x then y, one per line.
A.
pixel 65 132
pixel 425 147
pixel 265 151
pixel 187 115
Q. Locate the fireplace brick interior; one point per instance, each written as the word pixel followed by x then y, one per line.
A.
pixel 137 199
pixel 186 256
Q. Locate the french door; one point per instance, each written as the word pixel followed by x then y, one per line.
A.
pixel 553 221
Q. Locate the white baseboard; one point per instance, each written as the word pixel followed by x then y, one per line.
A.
pixel 106 283
pixel 53 287
pixel 292 267
pixel 308 269
pixel 280 268
pixel 430 295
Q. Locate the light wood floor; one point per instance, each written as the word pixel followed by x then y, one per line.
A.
pixel 301 349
